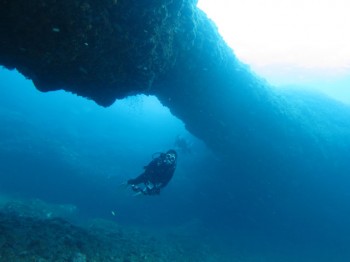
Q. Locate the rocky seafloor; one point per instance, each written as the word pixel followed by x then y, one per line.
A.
pixel 35 231
pixel 31 232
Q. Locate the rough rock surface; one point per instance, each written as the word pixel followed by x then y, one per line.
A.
pixel 109 49
pixel 54 239
pixel 99 49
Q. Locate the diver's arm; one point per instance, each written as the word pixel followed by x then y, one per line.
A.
pixel 167 176
pixel 151 165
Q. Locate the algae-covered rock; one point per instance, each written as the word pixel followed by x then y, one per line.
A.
pixel 26 238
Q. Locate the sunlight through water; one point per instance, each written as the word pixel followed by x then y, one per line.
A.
pixel 299 42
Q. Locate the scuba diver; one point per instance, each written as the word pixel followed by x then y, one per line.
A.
pixel 157 174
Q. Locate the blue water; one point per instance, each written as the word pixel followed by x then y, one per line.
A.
pixel 65 149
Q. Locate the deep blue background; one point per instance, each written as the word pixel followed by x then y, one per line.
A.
pixel 65 149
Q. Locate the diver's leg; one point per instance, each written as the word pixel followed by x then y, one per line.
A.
pixel 138 180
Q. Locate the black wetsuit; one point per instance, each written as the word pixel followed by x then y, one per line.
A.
pixel 158 173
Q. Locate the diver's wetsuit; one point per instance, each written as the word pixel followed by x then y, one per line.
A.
pixel 157 175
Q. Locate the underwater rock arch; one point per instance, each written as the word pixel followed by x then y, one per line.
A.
pixel 107 50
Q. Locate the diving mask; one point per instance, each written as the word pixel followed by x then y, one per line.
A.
pixel 169 158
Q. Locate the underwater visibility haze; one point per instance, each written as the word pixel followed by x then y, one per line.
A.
pixel 67 151
pixel 64 160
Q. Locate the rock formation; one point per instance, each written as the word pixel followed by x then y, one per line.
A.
pixel 109 49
